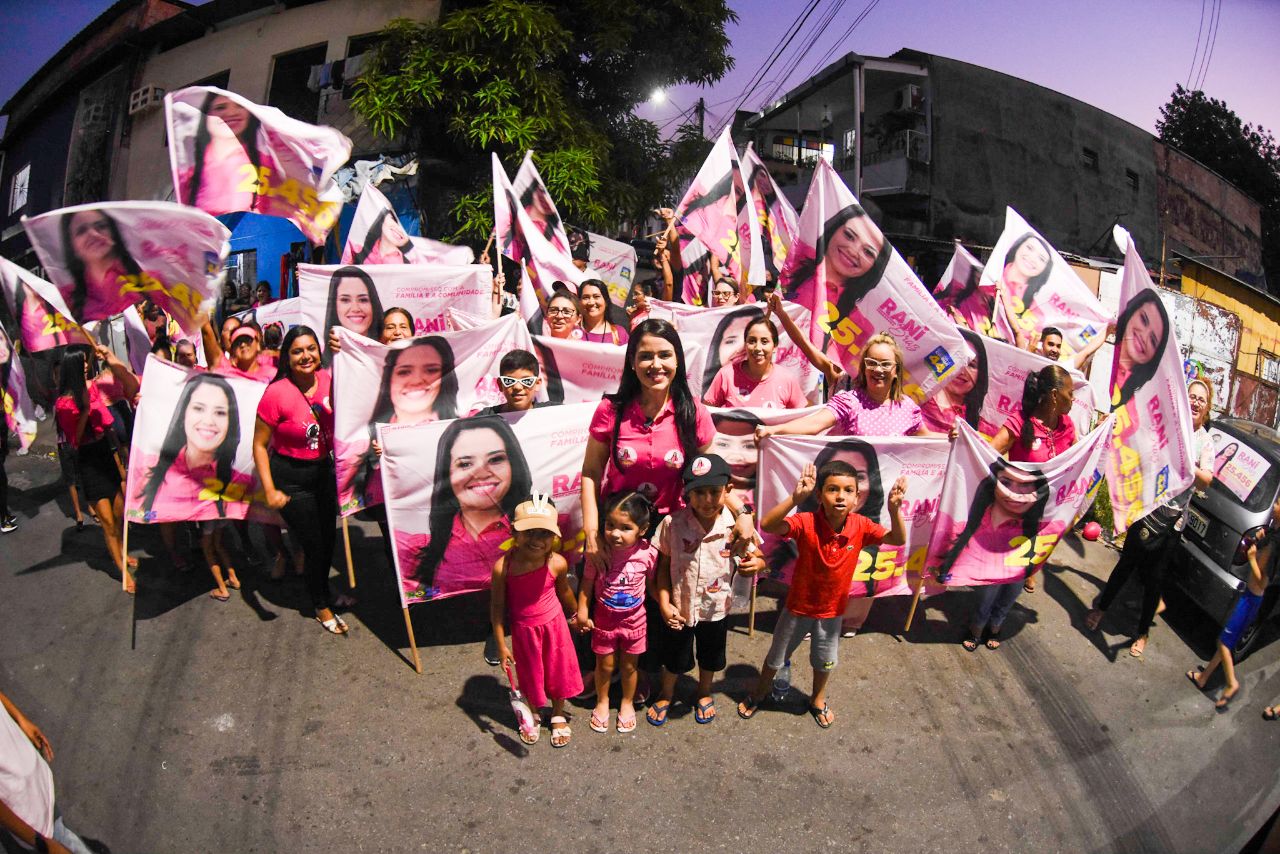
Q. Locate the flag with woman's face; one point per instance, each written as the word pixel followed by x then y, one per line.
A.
pixel 1038 288
pixel 717 210
pixel 415 380
pixel 191 459
pixel 32 310
pixel 19 411
pixel 1151 458
pixel 877 462
pixel 962 294
pixel 229 154
pixel 778 220
pixel 106 257
pixel 533 196
pixel 855 284
pixel 377 236
pixel 452 488
pixel 999 521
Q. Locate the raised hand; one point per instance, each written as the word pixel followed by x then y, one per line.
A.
pixel 806 484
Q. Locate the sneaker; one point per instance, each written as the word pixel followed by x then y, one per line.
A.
pixel 10 523
pixel 491 651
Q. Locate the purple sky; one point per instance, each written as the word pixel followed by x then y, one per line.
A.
pixel 1124 57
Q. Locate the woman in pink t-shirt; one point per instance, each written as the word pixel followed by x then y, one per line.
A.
pixel 96 258
pixel 754 380
pixel 385 243
pixel 225 174
pixel 602 321
pixel 961 399
pixel 293 452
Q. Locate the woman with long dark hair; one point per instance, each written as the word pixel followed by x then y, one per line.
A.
pixel 386 241
pixel 97 258
pixel 84 417
pixel 481 476
pixel 1142 333
pixel 961 399
pixel 602 321
pixel 293 452
pixel 225 174
pixel 1027 267
pixel 354 304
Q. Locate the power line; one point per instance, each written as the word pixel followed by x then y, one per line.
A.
pixel 1196 52
pixel 844 37
pixel 1213 39
pixel 806 43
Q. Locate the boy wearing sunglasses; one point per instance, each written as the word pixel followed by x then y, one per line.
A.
pixel 518 380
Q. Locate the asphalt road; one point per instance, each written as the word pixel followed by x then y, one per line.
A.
pixel 184 724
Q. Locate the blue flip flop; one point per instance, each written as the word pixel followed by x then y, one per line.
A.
pixel 657 715
pixel 700 712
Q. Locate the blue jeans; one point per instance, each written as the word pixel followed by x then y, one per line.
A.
pixel 994 602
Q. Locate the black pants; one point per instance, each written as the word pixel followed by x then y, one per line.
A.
pixel 1149 562
pixel 311 516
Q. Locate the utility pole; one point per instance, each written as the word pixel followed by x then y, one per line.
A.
pixel 702 116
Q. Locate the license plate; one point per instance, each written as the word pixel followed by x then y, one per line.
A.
pixel 1197 522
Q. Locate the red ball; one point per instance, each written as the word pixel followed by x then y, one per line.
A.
pixel 1092 530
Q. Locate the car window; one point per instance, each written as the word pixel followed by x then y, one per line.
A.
pixel 1263 494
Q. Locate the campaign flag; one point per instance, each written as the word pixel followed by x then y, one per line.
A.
pixel 695 269
pixel 1235 465
pixel 987 390
pixel 19 412
pixel 1038 288
pixel 357 297
pixel 614 263
pixel 718 211
pixel 106 257
pixel 32 310
pixel 779 222
pixel 229 154
pixel 448 532
pixel 532 194
pixel 715 337
pixel 999 521
pixel 428 378
pixel 855 284
pixel 191 459
pixel 541 263
pixel 961 293
pixel 283 313
pixel 1151 459
pixel 376 236
pixel 577 371
pixel 879 461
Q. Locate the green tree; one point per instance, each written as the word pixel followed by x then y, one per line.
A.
pixel 1246 155
pixel 560 78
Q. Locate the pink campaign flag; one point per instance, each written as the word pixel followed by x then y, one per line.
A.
pixel 986 391
pixel 577 371
pixel 229 154
pixel 715 337
pixel 1236 466
pixel 19 412
pixel 879 462
pixel 614 263
pixel 33 310
pixel 377 237
pixel 191 459
pixel 779 223
pixel 1038 288
pixel 106 257
pixel 960 293
pixel 520 240
pixel 449 530
pixel 855 284
pixel 537 203
pixel 429 378
pixel 283 313
pixel 717 210
pixel 357 298
pixel 999 521
pixel 695 269
pixel 1151 457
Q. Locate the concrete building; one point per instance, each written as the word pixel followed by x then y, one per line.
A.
pixel 89 125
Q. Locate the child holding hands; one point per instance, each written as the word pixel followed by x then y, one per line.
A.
pixel 695 585
pixel 531 587
pixel 828 540
pixel 618 629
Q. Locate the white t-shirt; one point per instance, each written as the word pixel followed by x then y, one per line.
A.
pixel 26 781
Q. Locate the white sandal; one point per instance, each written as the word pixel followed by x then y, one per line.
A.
pixel 334 625
pixel 560 729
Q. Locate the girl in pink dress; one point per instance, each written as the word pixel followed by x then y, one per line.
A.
pixel 531 590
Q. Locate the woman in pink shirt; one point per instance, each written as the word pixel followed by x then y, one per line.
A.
pixel 602 321
pixel 385 243
pixel 962 398
pixel 354 304
pixel 225 176
pixel 97 258
pixel 755 381
pixel 293 453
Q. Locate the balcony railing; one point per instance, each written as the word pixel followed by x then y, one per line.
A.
pixel 908 144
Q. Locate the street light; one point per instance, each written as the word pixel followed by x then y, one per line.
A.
pixel 658 96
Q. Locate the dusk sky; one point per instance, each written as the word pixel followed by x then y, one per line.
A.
pixel 1124 57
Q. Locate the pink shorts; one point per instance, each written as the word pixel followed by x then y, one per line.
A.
pixel 618 632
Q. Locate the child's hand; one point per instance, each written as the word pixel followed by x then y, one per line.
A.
pixel 806 484
pixel 896 493
pixel 584 622
pixel 505 656
pixel 672 618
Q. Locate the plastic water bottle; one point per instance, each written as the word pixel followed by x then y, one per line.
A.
pixel 782 681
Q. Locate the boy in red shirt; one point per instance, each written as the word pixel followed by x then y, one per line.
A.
pixel 828 541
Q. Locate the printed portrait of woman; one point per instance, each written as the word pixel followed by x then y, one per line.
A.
pixel 1142 333
pixel 224 172
pixel 998 539
pixel 353 304
pixel 97 259
pixel 1027 266
pixel 961 398
pixel 735 443
pixel 728 340
pixel 386 241
pixel 541 209
pixel 967 304
pixel 38 326
pixel 1224 456
pixel 196 465
pixel 480 476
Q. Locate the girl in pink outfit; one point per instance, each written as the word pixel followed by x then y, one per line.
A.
pixel 618 592
pixel 531 590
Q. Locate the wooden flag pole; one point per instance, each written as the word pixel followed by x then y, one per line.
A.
pixel 914 601
pixel 751 615
pixel 413 644
pixel 346 543
pixel 125 575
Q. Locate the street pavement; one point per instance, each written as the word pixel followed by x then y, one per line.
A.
pixel 185 724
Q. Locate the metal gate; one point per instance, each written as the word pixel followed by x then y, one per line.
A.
pixel 1255 399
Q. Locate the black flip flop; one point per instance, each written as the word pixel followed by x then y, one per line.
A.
pixel 818 713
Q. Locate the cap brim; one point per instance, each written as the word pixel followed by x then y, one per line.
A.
pixel 536 525
pixel 708 480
